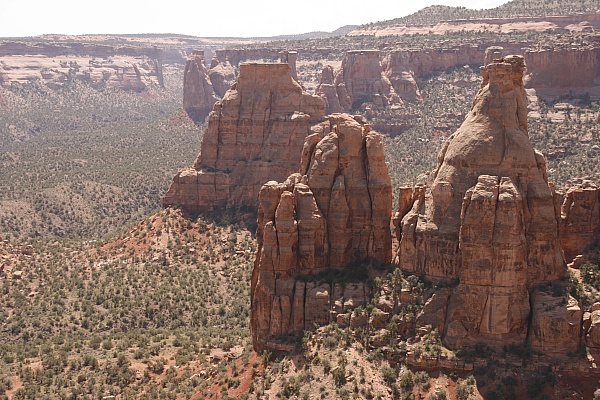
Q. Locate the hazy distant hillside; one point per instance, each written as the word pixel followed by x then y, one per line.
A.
pixel 516 8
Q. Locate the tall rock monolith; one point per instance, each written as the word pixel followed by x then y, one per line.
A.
pixel 488 222
pixel 335 211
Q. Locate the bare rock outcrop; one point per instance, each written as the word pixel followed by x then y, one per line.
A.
pixel 553 68
pixel 489 222
pixel 221 75
pixel 254 134
pixel 335 211
pixel 290 57
pixel 555 326
pixel 224 65
pixel 198 94
pixel 360 82
pixel 401 77
pixel 579 219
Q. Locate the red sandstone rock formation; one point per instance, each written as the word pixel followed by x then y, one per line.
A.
pixel 222 76
pixel 359 82
pixel 335 96
pixel 290 58
pixel 401 77
pixel 334 211
pixel 254 134
pixel 222 72
pixel 579 219
pixel 555 68
pixel 489 220
pixel 198 94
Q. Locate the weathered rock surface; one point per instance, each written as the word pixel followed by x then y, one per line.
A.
pixel 255 134
pixel 222 76
pixel 575 23
pixel 555 326
pixel 198 94
pixel 224 65
pixel 593 335
pixel 489 221
pixel 336 210
pixel 579 219
pixel 290 58
pixel 553 68
pixel 360 82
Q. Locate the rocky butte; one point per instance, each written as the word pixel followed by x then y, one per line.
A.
pixel 334 211
pixel 254 134
pixel 490 226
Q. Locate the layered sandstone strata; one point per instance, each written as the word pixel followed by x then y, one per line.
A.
pixel 254 134
pixel 335 211
pixel 198 94
pixel 554 68
pixel 489 221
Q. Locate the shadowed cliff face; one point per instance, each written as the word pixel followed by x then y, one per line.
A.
pixel 255 134
pixel 335 211
pixel 488 222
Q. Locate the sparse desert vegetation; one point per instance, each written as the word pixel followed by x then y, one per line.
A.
pixel 103 294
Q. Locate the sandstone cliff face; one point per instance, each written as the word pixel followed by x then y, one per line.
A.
pixel 359 82
pixel 553 68
pixel 198 94
pixel 254 134
pixel 489 221
pixel 336 210
pixel 579 219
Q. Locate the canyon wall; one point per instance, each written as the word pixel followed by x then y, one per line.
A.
pixel 563 68
pixel 101 66
pixel 254 134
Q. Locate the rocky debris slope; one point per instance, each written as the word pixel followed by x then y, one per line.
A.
pixel 198 94
pixel 254 134
pixel 332 213
pixel 360 82
pixel 489 223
